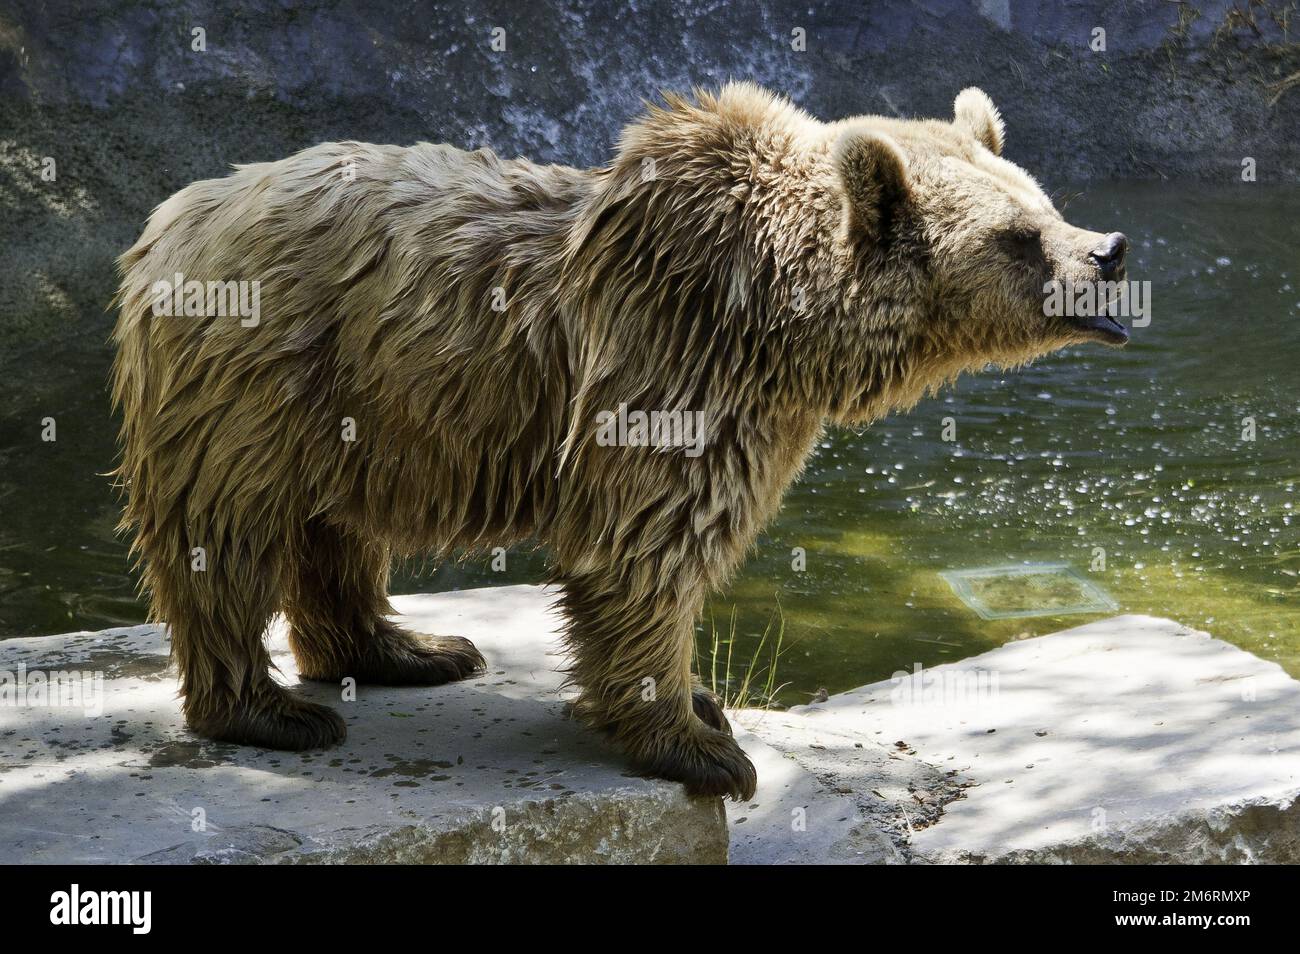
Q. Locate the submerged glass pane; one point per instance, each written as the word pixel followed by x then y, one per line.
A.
pixel 1033 589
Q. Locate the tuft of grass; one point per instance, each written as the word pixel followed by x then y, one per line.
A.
pixel 755 687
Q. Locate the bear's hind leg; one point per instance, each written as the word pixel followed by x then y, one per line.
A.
pixel 217 602
pixel 336 601
pixel 632 658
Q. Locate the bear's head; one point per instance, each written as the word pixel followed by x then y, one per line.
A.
pixel 951 250
pixel 852 266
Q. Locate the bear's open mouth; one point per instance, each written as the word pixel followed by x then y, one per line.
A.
pixel 1103 328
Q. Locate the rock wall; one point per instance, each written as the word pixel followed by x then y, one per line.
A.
pixel 130 111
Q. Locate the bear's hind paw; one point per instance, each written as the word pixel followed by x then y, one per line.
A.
pixel 277 719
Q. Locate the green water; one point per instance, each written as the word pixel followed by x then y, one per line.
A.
pixel 1138 452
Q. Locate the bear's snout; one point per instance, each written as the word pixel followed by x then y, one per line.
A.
pixel 1109 255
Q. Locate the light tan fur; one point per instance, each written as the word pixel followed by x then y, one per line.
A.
pixel 738 258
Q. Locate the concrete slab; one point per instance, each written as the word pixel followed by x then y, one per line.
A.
pixel 794 818
pixel 1127 740
pixel 1132 739
pixel 483 771
pixel 826 796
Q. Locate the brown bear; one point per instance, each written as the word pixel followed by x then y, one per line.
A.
pixel 362 351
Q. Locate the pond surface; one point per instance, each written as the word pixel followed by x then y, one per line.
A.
pixel 1138 456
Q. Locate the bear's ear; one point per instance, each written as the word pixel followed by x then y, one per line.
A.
pixel 873 175
pixel 974 112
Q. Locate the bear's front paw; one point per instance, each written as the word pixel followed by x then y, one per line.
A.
pixel 708 709
pixel 422 660
pixel 394 657
pixel 708 762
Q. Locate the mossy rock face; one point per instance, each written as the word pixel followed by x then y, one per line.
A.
pixel 110 168
pixel 130 111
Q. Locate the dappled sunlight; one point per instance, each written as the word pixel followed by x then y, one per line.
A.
pixel 1113 724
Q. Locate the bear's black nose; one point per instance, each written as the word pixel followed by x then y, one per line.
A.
pixel 1109 255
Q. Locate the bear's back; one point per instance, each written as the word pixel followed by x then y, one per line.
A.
pixel 407 289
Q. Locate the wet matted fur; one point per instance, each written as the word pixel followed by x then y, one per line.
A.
pixel 469 318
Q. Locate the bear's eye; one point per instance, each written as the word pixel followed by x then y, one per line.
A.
pixel 1024 238
pixel 1023 244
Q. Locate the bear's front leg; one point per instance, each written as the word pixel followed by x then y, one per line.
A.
pixel 632 658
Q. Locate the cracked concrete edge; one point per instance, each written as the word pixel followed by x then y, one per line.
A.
pixel 805 812
pixel 1264 829
pixel 665 828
